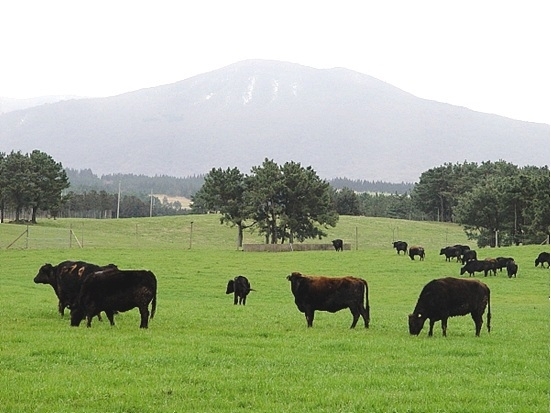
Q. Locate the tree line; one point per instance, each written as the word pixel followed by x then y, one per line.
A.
pixel 497 203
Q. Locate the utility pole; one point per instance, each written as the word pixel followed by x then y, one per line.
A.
pixel 119 200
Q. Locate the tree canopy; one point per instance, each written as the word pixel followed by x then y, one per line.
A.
pixel 285 203
pixel 34 181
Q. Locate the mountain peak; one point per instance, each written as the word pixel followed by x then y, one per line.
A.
pixel 340 122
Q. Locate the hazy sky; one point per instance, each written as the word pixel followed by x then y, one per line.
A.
pixel 490 56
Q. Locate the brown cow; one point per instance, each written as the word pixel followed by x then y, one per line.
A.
pixel 413 251
pixel 449 297
pixel 330 294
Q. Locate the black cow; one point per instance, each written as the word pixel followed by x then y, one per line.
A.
pixel 400 246
pixel 512 269
pixel 501 262
pixel 462 248
pixel 66 279
pixel 337 243
pixel 240 287
pixel 468 255
pixel 330 294
pixel 115 291
pixel 451 252
pixel 543 257
pixel 448 297
pixel 478 266
pixel 413 251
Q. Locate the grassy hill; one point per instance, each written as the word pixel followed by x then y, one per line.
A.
pixel 206 232
pixel 203 354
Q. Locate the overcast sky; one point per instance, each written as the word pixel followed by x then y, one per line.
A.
pixel 490 56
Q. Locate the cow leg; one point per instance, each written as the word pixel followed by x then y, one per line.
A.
pixel 355 316
pixel 477 318
pixel 431 326
pixel 110 315
pixel 243 300
pixel 444 326
pixel 309 317
pixel 235 299
pixel 89 320
pixel 144 313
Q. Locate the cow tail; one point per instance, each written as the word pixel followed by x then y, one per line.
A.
pixel 367 300
pixel 154 301
pixel 489 316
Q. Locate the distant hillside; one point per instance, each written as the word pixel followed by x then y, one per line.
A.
pixel 340 122
pixel 10 104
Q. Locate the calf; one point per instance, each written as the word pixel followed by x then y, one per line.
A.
pixel 240 287
pixel 512 269
pixel 542 258
pixel 330 294
pixel 400 246
pixel 413 251
pixel 115 291
pixel 448 297
pixel 501 262
pixel 337 244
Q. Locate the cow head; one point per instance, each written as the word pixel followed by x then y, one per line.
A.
pixel 77 315
pixel 462 271
pixel 46 275
pixel 230 288
pixel 416 322
pixel 296 279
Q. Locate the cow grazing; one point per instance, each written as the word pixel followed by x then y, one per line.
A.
pixel 449 297
pixel 337 244
pixel 542 258
pixel 66 279
pixel 115 291
pixel 451 252
pixel 468 256
pixel 330 294
pixel 400 246
pixel 501 262
pixel 413 251
pixel 512 269
pixel 240 287
pixel 478 266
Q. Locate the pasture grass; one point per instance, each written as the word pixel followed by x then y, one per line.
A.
pixel 203 354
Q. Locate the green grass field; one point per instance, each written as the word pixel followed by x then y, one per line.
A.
pixel 203 354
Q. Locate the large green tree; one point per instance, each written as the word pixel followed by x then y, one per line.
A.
pixel 34 181
pixel 48 181
pixel 223 191
pixel 16 180
pixel 307 204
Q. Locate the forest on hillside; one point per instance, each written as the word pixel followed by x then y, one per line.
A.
pixel 85 180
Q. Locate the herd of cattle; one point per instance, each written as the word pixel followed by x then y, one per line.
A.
pixel 88 289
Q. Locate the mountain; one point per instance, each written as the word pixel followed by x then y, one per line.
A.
pixel 340 122
pixel 10 104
